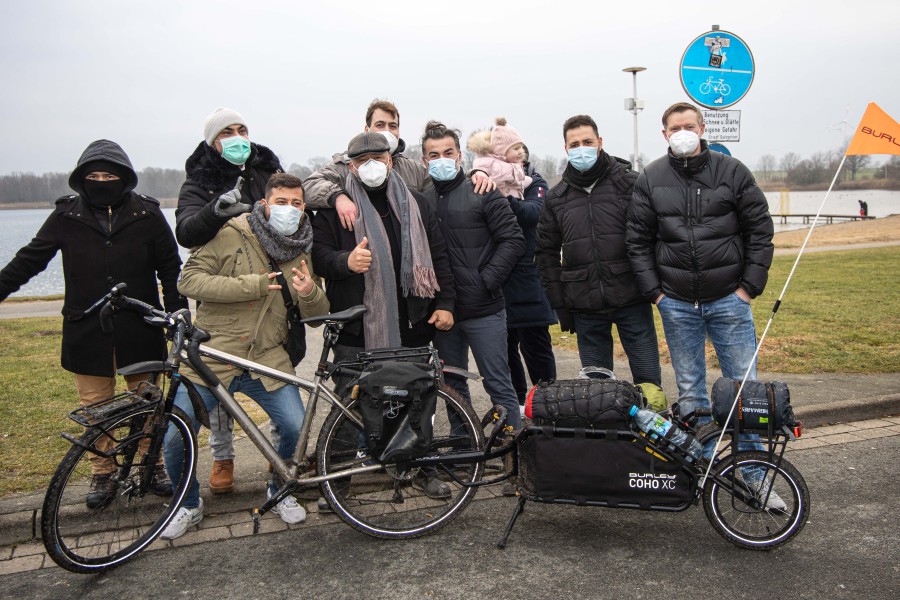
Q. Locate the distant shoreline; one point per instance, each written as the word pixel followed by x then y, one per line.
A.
pixel 163 202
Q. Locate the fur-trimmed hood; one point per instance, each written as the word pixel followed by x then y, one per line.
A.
pixel 209 170
pixel 480 143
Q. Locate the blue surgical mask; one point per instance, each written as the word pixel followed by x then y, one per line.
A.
pixel 285 219
pixel 583 157
pixel 236 149
pixel 442 169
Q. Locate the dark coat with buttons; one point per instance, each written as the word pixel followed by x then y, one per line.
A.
pixel 137 249
pixel 208 177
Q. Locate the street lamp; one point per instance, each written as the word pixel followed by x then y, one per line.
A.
pixel 635 106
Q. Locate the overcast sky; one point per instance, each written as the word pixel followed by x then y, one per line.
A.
pixel 146 74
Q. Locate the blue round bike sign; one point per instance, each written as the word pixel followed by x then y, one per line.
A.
pixel 717 69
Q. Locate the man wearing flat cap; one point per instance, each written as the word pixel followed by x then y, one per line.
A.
pixel 226 177
pixel 394 261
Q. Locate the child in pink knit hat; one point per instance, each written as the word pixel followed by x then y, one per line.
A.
pixel 500 154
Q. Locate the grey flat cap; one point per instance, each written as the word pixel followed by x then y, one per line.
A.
pixel 366 143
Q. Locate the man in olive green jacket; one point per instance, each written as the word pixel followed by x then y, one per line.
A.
pixel 242 307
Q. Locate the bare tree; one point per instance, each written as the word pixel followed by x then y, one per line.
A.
pixel 789 163
pixel 767 164
pixel 317 162
pixel 854 162
pixel 299 171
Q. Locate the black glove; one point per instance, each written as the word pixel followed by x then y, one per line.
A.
pixel 566 321
pixel 229 204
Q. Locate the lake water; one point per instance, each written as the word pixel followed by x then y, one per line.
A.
pixel 17 227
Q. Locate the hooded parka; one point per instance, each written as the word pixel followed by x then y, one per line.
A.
pixel 131 244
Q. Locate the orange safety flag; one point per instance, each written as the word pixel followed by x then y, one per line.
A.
pixel 877 133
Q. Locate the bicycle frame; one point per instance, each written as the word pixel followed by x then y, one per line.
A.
pixel 315 389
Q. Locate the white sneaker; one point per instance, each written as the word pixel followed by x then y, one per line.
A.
pixel 184 519
pixel 288 509
pixel 774 503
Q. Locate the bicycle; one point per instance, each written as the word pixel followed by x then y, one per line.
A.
pixel 720 87
pixel 384 500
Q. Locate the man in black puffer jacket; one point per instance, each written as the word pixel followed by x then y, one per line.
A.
pixel 593 287
pixel 483 244
pixel 226 176
pixel 700 242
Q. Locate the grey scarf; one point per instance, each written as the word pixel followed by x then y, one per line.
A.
pixel 417 277
pixel 280 247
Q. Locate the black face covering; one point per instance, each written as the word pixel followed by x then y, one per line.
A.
pixel 104 194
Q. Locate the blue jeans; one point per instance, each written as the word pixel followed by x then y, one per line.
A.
pixel 728 322
pixel 637 332
pixel 283 406
pixel 486 336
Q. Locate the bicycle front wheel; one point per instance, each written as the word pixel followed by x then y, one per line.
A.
pixel 394 501
pixel 756 502
pixel 87 540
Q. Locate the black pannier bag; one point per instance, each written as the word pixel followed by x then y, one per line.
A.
pixel 590 403
pixel 762 405
pixel 397 400
pixel 598 468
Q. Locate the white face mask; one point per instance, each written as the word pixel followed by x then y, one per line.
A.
pixel 285 219
pixel 684 142
pixel 372 173
pixel 392 140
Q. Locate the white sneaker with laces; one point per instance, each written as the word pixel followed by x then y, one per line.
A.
pixel 288 509
pixel 184 519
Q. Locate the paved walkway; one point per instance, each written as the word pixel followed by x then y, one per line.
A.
pixel 224 525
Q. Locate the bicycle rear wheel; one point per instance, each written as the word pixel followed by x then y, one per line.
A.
pixel 391 502
pixel 85 540
pixel 762 514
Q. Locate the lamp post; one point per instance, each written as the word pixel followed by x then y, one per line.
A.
pixel 635 106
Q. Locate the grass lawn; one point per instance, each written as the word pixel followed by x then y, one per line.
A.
pixel 840 315
pixel 36 394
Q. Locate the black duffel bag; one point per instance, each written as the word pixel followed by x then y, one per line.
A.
pixel 762 406
pixel 397 400
pixel 588 403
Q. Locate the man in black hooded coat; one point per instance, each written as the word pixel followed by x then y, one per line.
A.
pixel 108 234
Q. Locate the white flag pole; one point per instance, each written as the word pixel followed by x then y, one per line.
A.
pixel 771 318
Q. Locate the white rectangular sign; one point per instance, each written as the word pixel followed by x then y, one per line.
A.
pixel 722 125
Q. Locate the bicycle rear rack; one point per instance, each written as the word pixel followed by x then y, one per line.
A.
pixel 97 413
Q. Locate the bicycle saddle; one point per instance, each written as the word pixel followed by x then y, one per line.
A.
pixel 351 314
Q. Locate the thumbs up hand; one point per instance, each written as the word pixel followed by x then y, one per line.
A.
pixel 229 204
pixel 360 259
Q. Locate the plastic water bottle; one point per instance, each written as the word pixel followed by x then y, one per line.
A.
pixel 657 427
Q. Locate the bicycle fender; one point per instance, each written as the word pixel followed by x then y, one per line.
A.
pixel 200 412
pixel 461 373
